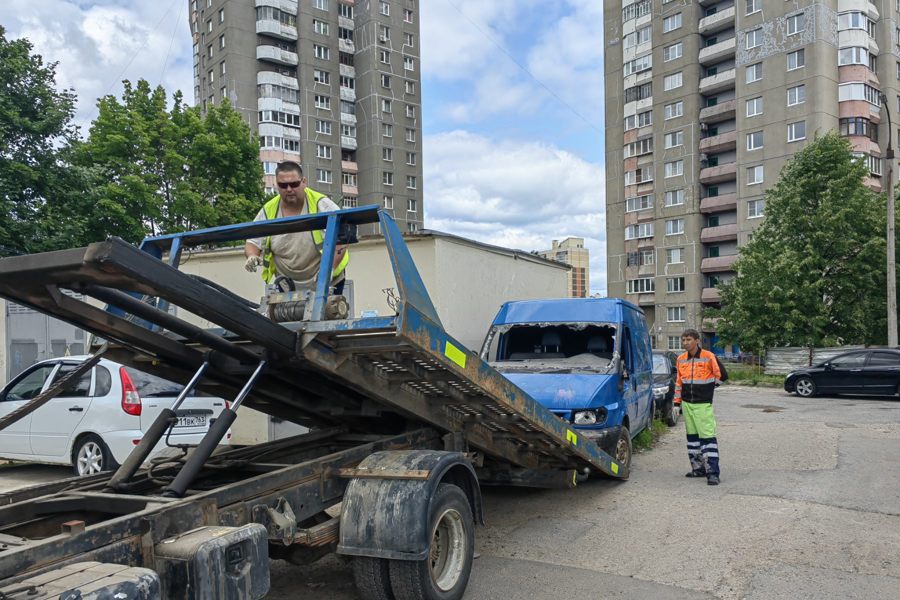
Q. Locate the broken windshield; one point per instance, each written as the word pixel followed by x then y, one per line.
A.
pixel 551 347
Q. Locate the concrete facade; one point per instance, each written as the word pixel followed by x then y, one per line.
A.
pixel 705 103
pixel 332 84
pixel 572 252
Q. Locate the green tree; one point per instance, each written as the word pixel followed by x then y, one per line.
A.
pixel 158 170
pixel 814 271
pixel 35 131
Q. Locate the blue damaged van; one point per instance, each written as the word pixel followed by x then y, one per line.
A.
pixel 587 360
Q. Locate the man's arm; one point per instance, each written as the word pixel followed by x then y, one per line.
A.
pixel 251 249
pixel 338 255
pixel 677 399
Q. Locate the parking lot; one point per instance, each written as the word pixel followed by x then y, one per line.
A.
pixel 809 507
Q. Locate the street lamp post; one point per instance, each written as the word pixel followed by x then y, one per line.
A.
pixel 891 266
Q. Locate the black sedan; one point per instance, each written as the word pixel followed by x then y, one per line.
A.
pixel 664 375
pixel 875 372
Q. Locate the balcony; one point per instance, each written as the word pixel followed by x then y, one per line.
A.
pixel 719 21
pixel 717 52
pixel 714 204
pixel 647 299
pixel 718 82
pixel 288 6
pixel 721 233
pixel 347 71
pixel 264 77
pixel 718 264
pixel 276 29
pixel 348 119
pixel 350 189
pixel 710 296
pixel 346 46
pixel 719 173
pixel 723 111
pixel 348 94
pixel 349 142
pixel 709 325
pixel 278 104
pixel 346 23
pixel 719 143
pixel 276 55
pixel 349 166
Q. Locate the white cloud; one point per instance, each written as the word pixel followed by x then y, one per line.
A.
pixel 518 195
pixel 98 44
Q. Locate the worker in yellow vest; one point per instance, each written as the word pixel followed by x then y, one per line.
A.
pixel 296 256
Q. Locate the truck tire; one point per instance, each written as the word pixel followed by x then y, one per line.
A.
pixel 445 573
pixel 618 446
pixel 372 578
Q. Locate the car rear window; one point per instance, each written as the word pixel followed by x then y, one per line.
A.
pixel 102 382
pixel 884 359
pixel 149 385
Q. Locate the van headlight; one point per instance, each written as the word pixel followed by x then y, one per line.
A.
pixel 660 390
pixel 589 417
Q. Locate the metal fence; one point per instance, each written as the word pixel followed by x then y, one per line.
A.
pixel 780 361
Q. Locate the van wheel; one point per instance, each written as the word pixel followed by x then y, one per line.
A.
pixel 671 414
pixel 444 573
pixel 618 446
pixel 91 455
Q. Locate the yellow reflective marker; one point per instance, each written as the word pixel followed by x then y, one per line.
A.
pixel 615 468
pixel 571 437
pixel 455 354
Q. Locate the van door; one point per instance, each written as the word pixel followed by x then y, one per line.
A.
pixel 53 424
pixel 631 385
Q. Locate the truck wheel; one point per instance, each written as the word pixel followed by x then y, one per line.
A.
pixel 445 573
pixel 372 578
pixel 619 447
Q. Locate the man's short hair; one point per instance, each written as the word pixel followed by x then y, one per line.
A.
pixel 287 166
pixel 691 333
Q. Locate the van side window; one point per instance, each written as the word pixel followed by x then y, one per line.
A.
pixel 627 354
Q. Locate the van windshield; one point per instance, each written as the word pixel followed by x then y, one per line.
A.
pixel 551 347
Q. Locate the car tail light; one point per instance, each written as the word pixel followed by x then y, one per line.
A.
pixel 131 400
pixel 227 405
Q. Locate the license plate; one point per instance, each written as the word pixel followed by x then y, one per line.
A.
pixel 192 421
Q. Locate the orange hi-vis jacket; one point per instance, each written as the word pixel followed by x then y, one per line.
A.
pixel 697 377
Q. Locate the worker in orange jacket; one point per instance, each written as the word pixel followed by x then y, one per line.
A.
pixel 698 377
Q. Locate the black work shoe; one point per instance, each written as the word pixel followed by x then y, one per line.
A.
pixel 712 480
pixel 696 474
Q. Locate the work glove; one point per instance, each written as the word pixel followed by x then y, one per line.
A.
pixel 252 263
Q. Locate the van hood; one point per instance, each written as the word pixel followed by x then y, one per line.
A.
pixel 567 391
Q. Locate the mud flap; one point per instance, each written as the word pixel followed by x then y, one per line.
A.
pixel 386 506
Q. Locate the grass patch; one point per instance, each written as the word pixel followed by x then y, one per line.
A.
pixel 647 438
pixel 752 375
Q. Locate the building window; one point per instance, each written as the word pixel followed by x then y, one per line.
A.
pixel 411 135
pixel 639 231
pixel 407 16
pixel 753 38
pixel 675 314
pixel 754 106
pixel 859 126
pixel 209 26
pixel 320 4
pixel 411 182
pixel 411 159
pixel 350 202
pixel 409 87
pixel 320 76
pixel 387 130
pixel 209 51
pixel 639 175
pixel 753 6
pixel 674 342
pixel 796 23
pixel 636 38
pixel 384 56
pixel 671 23
pixel 386 106
pixel 211 76
pixel 637 203
pixel 348 82
pixel 387 154
pixel 639 92
pixel 856 55
pixel 673 52
pixel 674 256
pixel 385 81
pixel 320 27
pixel 642 119
pixel 411 205
pixel 222 68
pixel 321 52
pixel 856 20
pixel 635 10
pixel 323 102
pixel 323 176
pixel 796 131
pixel 639 147
pixel 323 127
pixel 387 178
pixel 646 257
pixel 754 175
pixel 674 139
pixel 674 226
pixel 644 285
pixel 753 72
pixel 388 202
pixel 675 285
pixel 409 40
pixel 674 198
pixel 384 34
pixel 674 168
pixel 348 130
pixel 796 59
pixel 755 140
pixel 859 91
pixel 323 151
pixel 796 95
pixel 350 179
pixel 345 10
pixel 755 208
pixel 384 8
pixel 638 65
pixel 409 64
pixel 673 81
pixel 676 109
pixel 410 111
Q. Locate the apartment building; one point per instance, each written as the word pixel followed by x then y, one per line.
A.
pixel 331 84
pixel 572 252
pixel 705 102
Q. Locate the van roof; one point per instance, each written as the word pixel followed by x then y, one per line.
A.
pixel 564 310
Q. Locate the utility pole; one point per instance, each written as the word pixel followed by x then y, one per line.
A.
pixel 891 250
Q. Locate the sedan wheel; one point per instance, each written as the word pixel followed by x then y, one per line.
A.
pixel 92 456
pixel 805 387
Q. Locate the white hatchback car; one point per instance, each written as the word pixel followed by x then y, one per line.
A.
pixel 98 421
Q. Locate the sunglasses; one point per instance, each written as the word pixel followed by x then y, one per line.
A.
pixel 290 184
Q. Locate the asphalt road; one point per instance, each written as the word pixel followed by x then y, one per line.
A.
pixel 808 507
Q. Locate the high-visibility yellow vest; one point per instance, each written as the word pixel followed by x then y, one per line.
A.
pixel 312 207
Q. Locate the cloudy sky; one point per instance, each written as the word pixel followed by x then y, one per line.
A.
pixel 512 102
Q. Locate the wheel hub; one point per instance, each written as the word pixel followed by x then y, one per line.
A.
pixel 90 459
pixel 448 550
